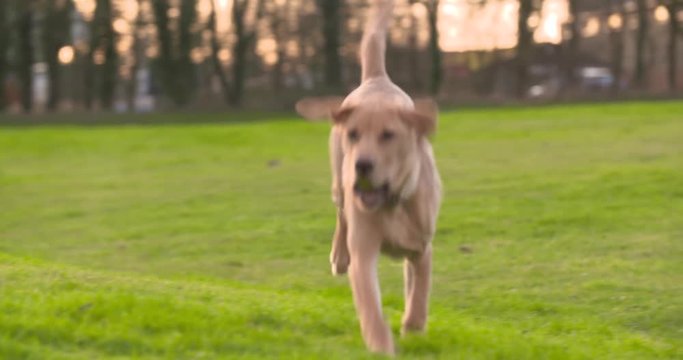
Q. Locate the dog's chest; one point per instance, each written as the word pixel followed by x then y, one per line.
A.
pixel 405 232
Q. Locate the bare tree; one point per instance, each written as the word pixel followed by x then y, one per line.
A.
pixel 108 44
pixel 26 15
pixel 138 54
pixel 641 43
pixel 245 37
pixel 215 50
pixel 524 45
pixel 185 69
pixel 56 34
pixel 164 64
pixel 434 49
pixel 174 64
pixel 102 59
pixel 414 55
pixel 280 29
pixel 89 65
pixel 673 7
pixel 331 14
pixel 4 47
pixel 616 39
pixel 573 44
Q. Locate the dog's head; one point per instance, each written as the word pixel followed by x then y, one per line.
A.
pixel 380 144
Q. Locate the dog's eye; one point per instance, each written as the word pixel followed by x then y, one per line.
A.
pixel 387 135
pixel 353 135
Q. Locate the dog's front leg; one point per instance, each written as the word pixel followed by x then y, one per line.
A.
pixel 417 283
pixel 339 256
pixel 366 295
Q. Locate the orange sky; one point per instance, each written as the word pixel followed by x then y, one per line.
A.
pixel 465 27
pixel 462 26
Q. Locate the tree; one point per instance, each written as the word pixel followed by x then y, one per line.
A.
pixel 524 45
pixel 434 50
pixel 102 59
pixel 4 47
pixel 56 34
pixel 413 57
pixel 641 43
pixel 138 54
pixel 616 39
pixel 174 64
pixel 245 37
pixel 331 15
pixel 108 43
pixel 215 50
pixel 573 44
pixel 673 7
pixel 185 68
pixel 280 30
pixel 25 21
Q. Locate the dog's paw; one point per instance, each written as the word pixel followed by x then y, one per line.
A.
pixel 340 264
pixel 408 330
pixel 412 327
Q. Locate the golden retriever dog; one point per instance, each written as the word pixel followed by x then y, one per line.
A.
pixel 385 185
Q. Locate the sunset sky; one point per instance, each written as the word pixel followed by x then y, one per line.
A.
pixel 463 26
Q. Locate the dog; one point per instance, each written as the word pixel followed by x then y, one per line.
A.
pixel 385 185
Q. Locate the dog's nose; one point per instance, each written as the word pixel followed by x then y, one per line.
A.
pixel 364 167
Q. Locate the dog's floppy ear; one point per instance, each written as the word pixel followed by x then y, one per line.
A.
pixel 424 117
pixel 340 115
pixel 319 108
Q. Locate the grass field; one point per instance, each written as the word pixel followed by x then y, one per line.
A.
pixel 560 237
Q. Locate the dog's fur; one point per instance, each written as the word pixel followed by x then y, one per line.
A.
pixel 393 207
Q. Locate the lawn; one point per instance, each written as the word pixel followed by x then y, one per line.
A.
pixel 204 236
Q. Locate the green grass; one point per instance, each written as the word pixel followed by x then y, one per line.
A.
pixel 210 240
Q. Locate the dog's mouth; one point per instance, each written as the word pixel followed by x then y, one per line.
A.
pixel 371 196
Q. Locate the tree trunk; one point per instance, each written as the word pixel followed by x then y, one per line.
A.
pixel 414 56
pixel 641 44
pixel 215 49
pixel 331 11
pixel 90 70
pixel 616 37
pixel 573 45
pixel 138 61
pixel 53 70
pixel 165 60
pixel 89 75
pixel 186 76
pixel 245 38
pixel 280 30
pixel 672 46
pixel 175 67
pixel 434 50
pixel 26 56
pixel 524 44
pixel 4 44
pixel 165 63
pixel 110 68
pixel 56 33
pixel 239 52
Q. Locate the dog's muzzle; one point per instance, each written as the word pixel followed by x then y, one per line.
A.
pixel 372 197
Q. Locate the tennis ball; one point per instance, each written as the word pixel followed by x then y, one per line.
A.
pixel 364 184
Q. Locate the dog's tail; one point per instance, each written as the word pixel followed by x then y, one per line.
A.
pixel 373 45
